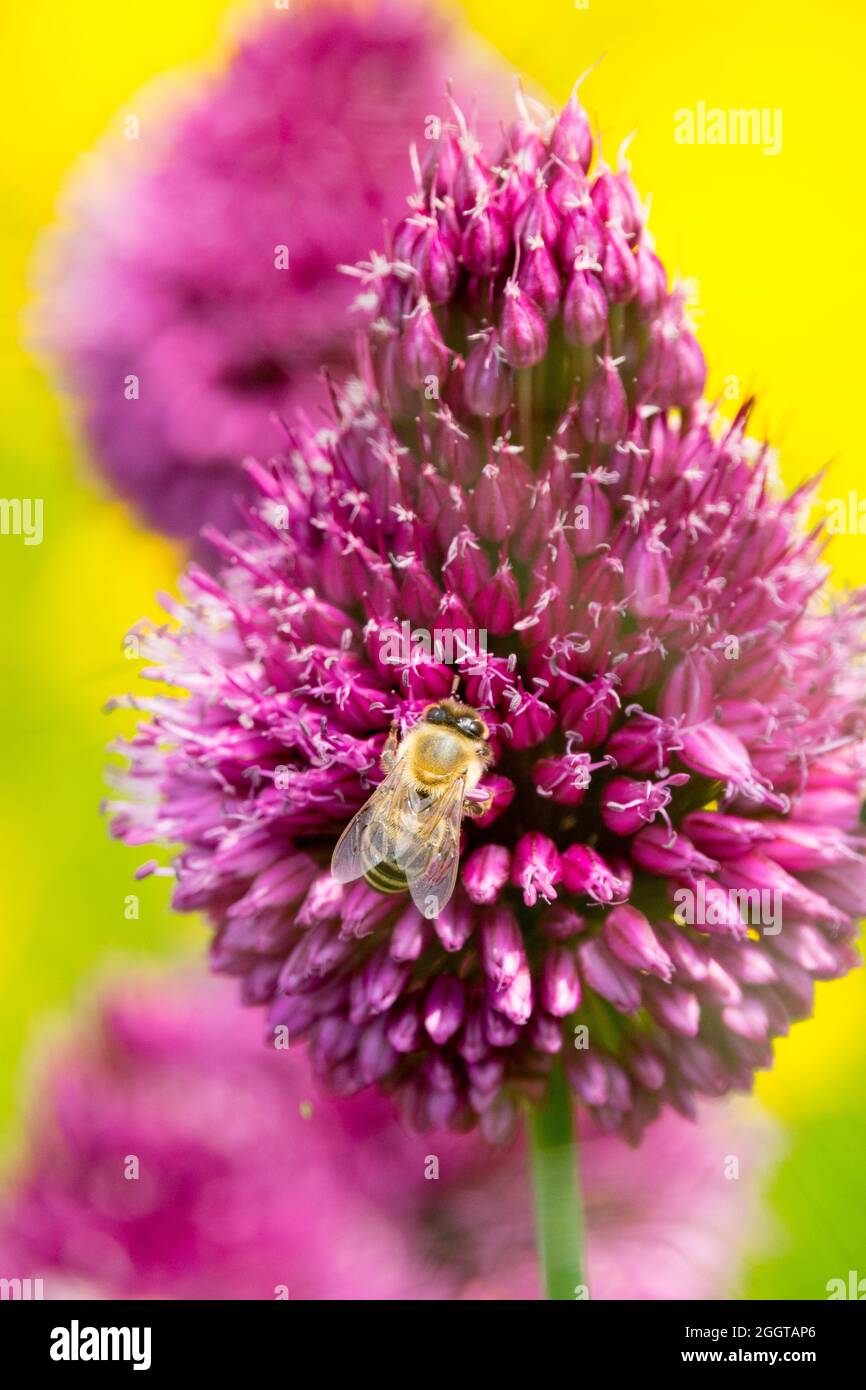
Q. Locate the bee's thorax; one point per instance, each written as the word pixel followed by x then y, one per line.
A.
pixel 437 755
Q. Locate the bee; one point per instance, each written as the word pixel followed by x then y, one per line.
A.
pixel 408 833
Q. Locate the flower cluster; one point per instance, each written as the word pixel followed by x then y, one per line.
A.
pixel 250 1185
pixel 675 707
pixel 527 271
pixel 191 296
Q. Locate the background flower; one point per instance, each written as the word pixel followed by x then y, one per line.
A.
pixel 205 271
pixel 672 704
pixel 249 1180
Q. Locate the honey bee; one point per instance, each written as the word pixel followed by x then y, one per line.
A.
pixel 408 833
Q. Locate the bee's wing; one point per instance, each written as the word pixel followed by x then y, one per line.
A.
pixel 368 838
pixel 432 872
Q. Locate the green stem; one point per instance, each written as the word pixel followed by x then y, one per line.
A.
pixel 556 1187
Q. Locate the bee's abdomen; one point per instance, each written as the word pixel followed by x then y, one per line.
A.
pixel 386 878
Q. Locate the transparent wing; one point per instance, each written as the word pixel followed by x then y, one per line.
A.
pixel 432 872
pixel 368 838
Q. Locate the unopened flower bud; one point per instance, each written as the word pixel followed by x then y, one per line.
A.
pixel 523 332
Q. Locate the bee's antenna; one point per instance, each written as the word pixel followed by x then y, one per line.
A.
pixel 454 685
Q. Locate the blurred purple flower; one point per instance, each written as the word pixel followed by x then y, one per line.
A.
pixel 249 1183
pixel 170 270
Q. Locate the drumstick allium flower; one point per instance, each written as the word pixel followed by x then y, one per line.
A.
pixel 673 854
pixel 192 293
pixel 170 1155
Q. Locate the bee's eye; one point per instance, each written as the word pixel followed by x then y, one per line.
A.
pixel 436 715
pixel 471 727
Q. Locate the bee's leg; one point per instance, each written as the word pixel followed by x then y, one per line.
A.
pixel 388 758
pixel 477 808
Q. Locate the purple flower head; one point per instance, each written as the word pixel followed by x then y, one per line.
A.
pixel 172 1156
pixel 669 852
pixel 194 296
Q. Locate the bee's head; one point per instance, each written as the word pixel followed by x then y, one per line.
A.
pixel 465 720
pixel 471 726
